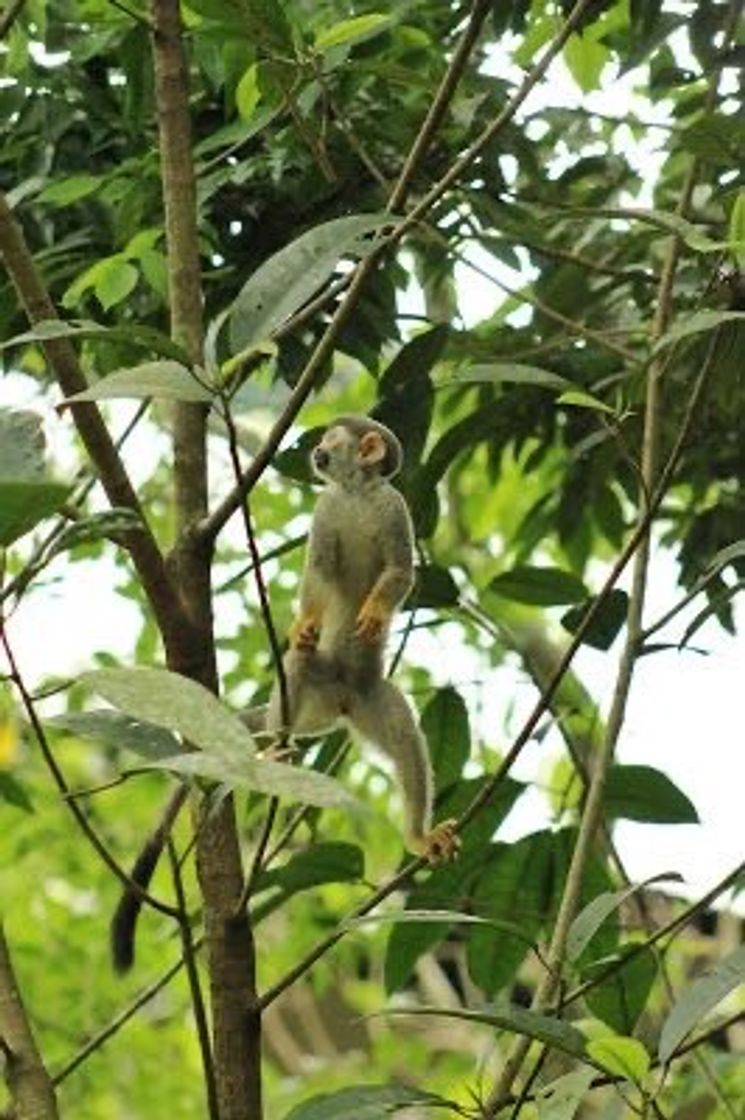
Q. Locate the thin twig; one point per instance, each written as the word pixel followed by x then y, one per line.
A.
pixel 9 16
pixel 195 988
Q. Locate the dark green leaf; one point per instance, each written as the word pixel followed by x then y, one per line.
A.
pixel 434 588
pixel 701 998
pixel 82 329
pixel 119 732
pixel 540 587
pixel 620 999
pixel 641 793
pixel 551 1032
pixel 362 1102
pixel 333 862
pixel 606 623
pixel 12 792
pixel 446 729
pixel 24 504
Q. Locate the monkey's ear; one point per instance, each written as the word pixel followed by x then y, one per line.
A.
pixel 372 448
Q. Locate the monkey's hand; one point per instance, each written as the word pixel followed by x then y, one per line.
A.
pixel 373 621
pixel 440 845
pixel 304 634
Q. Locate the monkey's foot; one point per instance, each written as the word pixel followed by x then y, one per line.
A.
pixel 372 622
pixel 440 845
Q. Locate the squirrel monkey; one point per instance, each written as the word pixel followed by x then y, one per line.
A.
pixel 359 567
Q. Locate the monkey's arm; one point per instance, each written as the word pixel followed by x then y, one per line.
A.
pixel 397 577
pixel 321 565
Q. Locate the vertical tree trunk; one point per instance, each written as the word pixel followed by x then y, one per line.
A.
pixel 230 950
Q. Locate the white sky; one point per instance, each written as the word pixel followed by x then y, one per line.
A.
pixel 685 716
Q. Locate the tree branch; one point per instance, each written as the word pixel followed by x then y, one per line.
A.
pixel 28 1082
pixel 64 364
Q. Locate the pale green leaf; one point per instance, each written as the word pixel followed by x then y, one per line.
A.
pixel 590 919
pixel 701 998
pixel 584 400
pixel 496 372
pixel 172 701
pixel 276 779
pixel 553 1032
pixel 115 279
pixel 623 1057
pixel 248 93
pixel 65 191
pixel 81 329
pixel 286 281
pixel 561 1098
pixel 166 379
pixel 585 58
pixel 698 323
pixel 351 30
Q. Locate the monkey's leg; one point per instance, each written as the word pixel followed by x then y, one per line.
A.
pixel 313 696
pixel 382 715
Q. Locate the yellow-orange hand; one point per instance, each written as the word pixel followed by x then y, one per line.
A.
pixel 372 621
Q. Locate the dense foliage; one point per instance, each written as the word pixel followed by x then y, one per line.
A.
pixel 557 338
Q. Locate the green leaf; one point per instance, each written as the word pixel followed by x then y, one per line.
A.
pixel 165 379
pixel 539 587
pixel 697 323
pixel 286 281
pixel 83 329
pixel 118 731
pixel 497 372
pixel 623 1057
pixel 621 997
pixel 115 279
pixel 606 623
pixel 24 504
pixel 446 729
pixel 561 1098
pixel 177 703
pixel 589 920
pixel 72 189
pixel 351 30
pixel 584 400
pixel 12 792
pixel 98 526
pixel 585 58
pixel 736 231
pixel 332 862
pixel 361 1102
pixel 701 998
pixel 552 1032
pixel 641 793
pixel 248 93
pixel 434 588
pixel 442 917
pixel 276 779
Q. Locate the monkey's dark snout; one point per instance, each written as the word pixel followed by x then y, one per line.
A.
pixel 320 458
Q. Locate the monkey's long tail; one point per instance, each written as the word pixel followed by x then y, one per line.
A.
pixel 124 922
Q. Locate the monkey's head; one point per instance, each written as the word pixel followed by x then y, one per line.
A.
pixel 355 448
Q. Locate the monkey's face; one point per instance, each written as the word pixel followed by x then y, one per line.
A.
pixel 345 456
